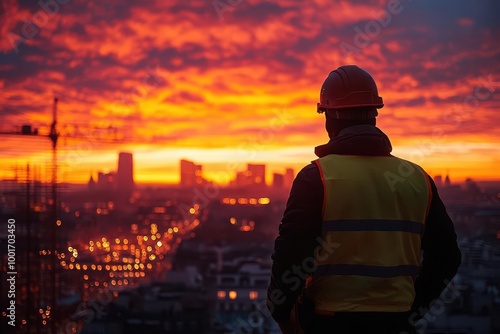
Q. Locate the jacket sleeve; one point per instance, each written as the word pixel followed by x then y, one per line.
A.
pixel 441 256
pixel 298 231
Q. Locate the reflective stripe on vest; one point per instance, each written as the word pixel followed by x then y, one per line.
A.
pixel 374 210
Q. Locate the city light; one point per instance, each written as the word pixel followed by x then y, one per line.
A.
pixel 221 294
pixel 264 200
pixel 246 201
pixel 253 294
pixel 159 210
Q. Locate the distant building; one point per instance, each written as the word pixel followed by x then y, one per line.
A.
pixel 283 181
pixel 106 180
pixel 438 180
pixel 156 308
pixel 257 173
pixel 91 185
pixel 278 181
pixel 125 174
pixel 447 181
pixel 241 294
pixel 254 176
pixel 190 174
pixel 243 179
pixel 289 177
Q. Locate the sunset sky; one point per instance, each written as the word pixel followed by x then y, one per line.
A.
pixel 228 82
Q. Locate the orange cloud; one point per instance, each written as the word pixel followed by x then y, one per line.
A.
pixel 173 77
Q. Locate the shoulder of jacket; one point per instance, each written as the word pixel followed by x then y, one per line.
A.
pixel 309 174
pixel 308 169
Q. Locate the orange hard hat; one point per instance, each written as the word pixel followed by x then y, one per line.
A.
pixel 349 87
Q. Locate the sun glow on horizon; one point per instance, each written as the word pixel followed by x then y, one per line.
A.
pixel 172 81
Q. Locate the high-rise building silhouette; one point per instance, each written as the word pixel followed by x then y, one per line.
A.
pixel 253 176
pixel 288 179
pixel 91 184
pixel 438 181
pixel 125 174
pixel 190 174
pixel 278 181
pixel 447 181
pixel 257 174
pixel 243 179
pixel 106 181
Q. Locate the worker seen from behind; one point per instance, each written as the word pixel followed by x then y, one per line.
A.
pixel 365 244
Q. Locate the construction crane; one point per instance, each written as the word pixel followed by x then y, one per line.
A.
pixel 54 135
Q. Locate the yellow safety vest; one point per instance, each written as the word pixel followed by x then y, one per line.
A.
pixel 374 214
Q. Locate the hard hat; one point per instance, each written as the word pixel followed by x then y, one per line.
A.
pixel 349 87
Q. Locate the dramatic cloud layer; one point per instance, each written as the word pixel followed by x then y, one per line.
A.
pixel 230 81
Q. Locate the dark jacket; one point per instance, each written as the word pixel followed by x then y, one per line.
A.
pixel 302 223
